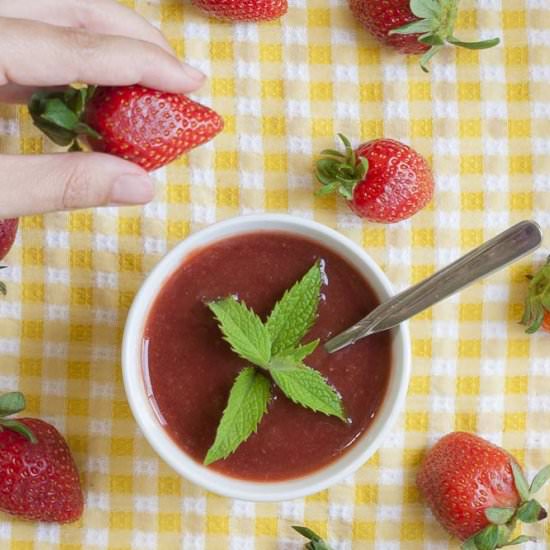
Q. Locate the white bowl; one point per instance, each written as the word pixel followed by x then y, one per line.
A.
pixel 214 481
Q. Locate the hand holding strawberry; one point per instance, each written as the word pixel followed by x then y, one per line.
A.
pixel 414 26
pixel 38 477
pixel 536 314
pixel 478 492
pixel 243 10
pixel 383 180
pixel 145 126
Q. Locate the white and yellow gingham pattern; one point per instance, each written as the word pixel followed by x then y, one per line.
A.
pixel 285 88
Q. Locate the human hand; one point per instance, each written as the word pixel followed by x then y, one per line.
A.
pixel 49 43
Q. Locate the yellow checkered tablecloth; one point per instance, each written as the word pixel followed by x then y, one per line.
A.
pixel 285 89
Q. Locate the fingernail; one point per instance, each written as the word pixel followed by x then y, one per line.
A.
pixel 193 73
pixel 130 189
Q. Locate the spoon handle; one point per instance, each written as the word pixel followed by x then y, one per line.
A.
pixel 506 247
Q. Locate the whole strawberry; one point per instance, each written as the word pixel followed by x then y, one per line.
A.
pixel 8 232
pixel 478 492
pixel 536 313
pixel 145 126
pixel 413 26
pixel 38 477
pixel 383 180
pixel 243 10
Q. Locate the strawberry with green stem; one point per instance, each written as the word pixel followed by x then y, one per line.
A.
pixel 414 26
pixel 478 492
pixel 536 314
pixel 142 125
pixel 382 180
pixel 38 476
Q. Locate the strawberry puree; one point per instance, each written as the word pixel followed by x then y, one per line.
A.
pixel 190 368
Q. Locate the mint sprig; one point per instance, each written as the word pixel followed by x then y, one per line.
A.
pixel 273 346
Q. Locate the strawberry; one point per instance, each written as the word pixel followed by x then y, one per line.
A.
pixel 383 180
pixel 536 314
pixel 478 492
pixel 145 126
pixel 413 26
pixel 243 10
pixel 8 231
pixel 38 476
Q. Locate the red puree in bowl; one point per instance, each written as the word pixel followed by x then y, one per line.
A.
pixel 191 369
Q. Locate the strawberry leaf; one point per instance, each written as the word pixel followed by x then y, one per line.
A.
pixel 499 516
pixel 11 403
pixel 520 481
pixel 246 405
pixel 539 480
pixel 425 9
pixel 3 288
pixel 480 45
pixel 19 427
pixel 316 542
pixel 522 539
pixel 243 330
pixel 487 539
pixel 295 313
pixel 531 512
pixel 59 114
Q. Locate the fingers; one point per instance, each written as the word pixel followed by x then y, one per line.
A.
pixel 38 54
pixel 100 16
pixel 34 184
pixel 13 93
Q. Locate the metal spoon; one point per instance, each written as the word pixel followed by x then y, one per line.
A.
pixel 505 248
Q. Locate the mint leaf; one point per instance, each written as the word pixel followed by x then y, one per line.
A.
pixel 243 330
pixel 246 405
pixel 306 387
pixel 295 312
pixel 301 352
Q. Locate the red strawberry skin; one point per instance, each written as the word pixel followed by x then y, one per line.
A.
pixel 8 231
pixel 379 17
pixel 243 10
pixel 398 183
pixel 38 481
pixel 148 127
pixel 461 476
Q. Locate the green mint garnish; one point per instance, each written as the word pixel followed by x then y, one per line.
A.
pixel 316 542
pixel 275 347
pixel 306 387
pixel 243 330
pixel 247 404
pixel 296 312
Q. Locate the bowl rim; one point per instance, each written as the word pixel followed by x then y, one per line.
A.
pixel 148 421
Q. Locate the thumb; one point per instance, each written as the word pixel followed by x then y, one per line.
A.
pixel 35 184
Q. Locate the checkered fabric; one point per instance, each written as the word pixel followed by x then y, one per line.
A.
pixel 285 88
